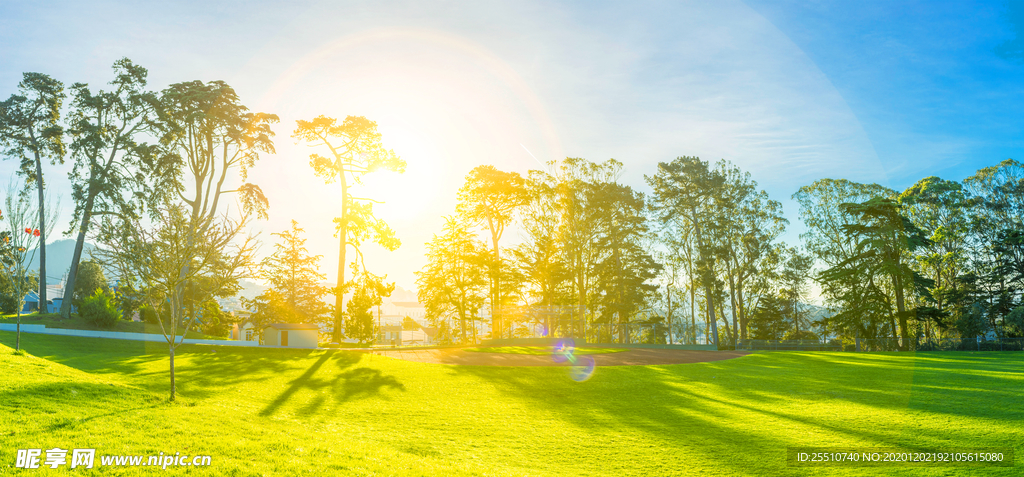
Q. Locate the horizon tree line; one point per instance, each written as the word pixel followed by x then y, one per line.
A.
pixel 702 255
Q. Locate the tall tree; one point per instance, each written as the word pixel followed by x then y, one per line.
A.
pixel 295 276
pixel 454 283
pixel 208 133
pixel 858 301
pixel 490 198
pixel 539 255
pixel 111 166
pixel 997 228
pixel 626 269
pixel 30 131
pixel 158 263
pixel 572 188
pixel 355 149
pixel 887 239
pixel 689 189
pixel 793 278
pixel 941 209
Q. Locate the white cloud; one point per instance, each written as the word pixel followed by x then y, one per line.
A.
pixel 460 84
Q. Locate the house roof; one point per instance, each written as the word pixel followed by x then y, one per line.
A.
pixel 291 326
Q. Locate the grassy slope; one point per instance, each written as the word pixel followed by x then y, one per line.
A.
pixel 261 411
pixel 53 320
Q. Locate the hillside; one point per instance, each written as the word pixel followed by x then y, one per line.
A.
pixel 58 258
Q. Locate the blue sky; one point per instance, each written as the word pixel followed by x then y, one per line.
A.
pixel 936 85
pixel 886 92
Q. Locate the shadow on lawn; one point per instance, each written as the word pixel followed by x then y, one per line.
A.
pixel 342 383
pixel 206 371
pixel 770 401
pixel 955 383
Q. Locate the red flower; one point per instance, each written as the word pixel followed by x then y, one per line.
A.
pixel 36 232
pixel 28 231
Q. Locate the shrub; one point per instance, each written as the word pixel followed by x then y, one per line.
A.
pixel 148 315
pixel 100 310
pixel 89 278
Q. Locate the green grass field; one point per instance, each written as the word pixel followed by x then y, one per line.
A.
pixel 53 320
pixel 541 350
pixel 284 412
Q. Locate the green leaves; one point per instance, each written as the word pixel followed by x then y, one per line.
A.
pixel 453 283
pixel 30 126
pixel 296 295
pixel 355 147
pixel 210 131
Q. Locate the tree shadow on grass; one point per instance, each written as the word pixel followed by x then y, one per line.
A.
pixel 200 371
pixel 726 409
pixel 954 383
pixel 341 383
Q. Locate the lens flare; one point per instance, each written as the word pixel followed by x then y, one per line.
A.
pixel 563 351
pixel 582 369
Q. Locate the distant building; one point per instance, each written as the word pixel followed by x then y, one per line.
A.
pixel 292 335
pixel 52 305
pixel 245 331
pixel 390 335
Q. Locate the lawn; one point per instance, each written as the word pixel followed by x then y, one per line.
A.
pixel 283 412
pixel 541 350
pixel 54 320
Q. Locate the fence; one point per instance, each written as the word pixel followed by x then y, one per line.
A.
pixel 886 344
pixel 118 335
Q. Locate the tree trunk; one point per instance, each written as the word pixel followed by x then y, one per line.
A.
pixel 69 286
pixel 42 237
pixel 172 368
pixel 796 319
pixel 742 310
pixel 462 320
pixel 707 286
pixel 728 329
pixel 732 306
pixel 693 312
pixel 339 296
pixel 901 313
pixel 712 319
pixel 496 320
pixel 76 258
pixel 17 339
pixel 668 319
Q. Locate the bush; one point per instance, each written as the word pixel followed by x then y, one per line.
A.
pixel 9 299
pixel 100 310
pixel 148 315
pixel 90 277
